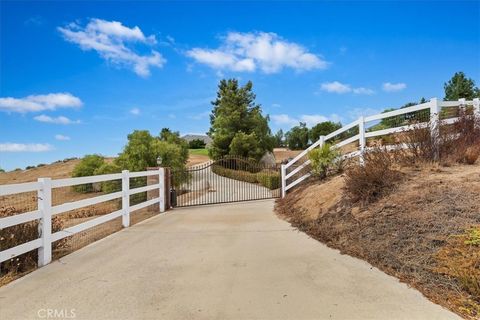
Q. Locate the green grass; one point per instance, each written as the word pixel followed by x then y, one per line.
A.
pixel 203 152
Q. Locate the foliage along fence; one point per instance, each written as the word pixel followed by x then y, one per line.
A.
pixel 247 170
pixel 353 139
pixel 44 208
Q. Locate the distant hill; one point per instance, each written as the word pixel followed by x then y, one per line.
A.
pixel 203 137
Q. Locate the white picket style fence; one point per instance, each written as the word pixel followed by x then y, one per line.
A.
pixel 45 210
pixel 434 105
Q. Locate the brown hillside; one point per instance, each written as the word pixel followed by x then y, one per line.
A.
pixel 55 170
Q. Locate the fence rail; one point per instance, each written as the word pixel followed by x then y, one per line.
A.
pixel 293 172
pixel 46 211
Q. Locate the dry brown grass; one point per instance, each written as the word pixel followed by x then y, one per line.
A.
pixel 282 154
pixel 19 234
pixel 403 232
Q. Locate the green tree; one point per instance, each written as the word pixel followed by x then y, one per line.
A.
pixel 87 167
pixel 143 150
pixel 459 86
pixel 197 144
pixel 297 137
pixel 173 137
pixel 322 129
pixel 2 170
pixel 111 185
pixel 138 154
pixel 278 139
pixel 246 145
pixel 234 111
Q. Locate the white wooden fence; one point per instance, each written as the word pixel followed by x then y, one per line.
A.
pixel 435 106
pixel 45 210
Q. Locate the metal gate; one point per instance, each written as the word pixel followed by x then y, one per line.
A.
pixel 229 179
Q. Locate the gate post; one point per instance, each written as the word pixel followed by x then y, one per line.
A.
pixel 161 188
pixel 282 177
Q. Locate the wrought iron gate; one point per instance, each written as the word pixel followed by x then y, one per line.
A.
pixel 229 179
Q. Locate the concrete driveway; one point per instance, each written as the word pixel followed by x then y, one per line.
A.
pixel 234 261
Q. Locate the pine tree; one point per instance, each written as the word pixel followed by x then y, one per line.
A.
pixel 236 115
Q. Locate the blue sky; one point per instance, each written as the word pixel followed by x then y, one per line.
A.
pixel 77 77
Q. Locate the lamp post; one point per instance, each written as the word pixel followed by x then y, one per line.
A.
pixel 159 161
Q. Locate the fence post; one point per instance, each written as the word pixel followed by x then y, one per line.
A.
pixel 322 141
pixel 435 124
pixel 462 104
pixel 361 138
pixel 476 107
pixel 125 199
pixel 45 224
pixel 284 181
pixel 161 188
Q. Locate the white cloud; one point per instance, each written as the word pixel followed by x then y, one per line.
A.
pixel 35 103
pixel 362 90
pixel 114 42
pixel 341 88
pixel 135 111
pixel 393 87
pixel 57 120
pixel 257 50
pixel 21 147
pixel 283 119
pixel 61 137
pixel 335 87
pixel 309 119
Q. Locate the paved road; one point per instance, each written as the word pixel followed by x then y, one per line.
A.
pixel 207 187
pixel 234 261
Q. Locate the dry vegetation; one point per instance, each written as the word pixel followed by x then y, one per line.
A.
pixel 414 215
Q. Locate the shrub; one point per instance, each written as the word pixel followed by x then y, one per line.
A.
pixel 456 142
pixel 472 154
pixel 29 167
pixel 240 175
pixel 22 233
pixel 87 167
pixel 197 144
pixel 269 179
pixel 2 170
pixel 322 159
pixel 41 165
pixel 143 150
pixel 112 185
pixel 375 178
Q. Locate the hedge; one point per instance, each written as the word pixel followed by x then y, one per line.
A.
pixel 269 179
pixel 235 174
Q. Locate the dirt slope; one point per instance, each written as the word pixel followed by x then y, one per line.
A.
pixel 55 170
pixel 405 234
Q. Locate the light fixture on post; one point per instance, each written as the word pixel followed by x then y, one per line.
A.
pixel 159 161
